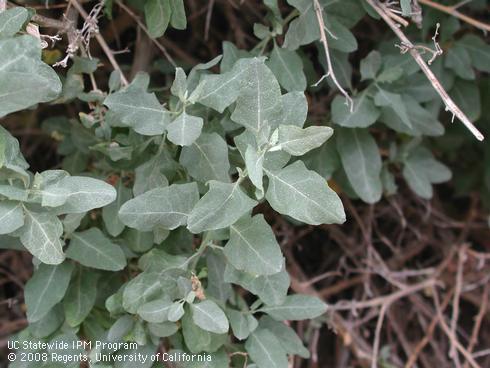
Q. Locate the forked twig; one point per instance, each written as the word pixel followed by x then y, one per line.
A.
pixel 323 39
pixel 450 104
pixel 454 340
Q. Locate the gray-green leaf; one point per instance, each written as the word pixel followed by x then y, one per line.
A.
pixel 294 109
pixel 219 91
pixel 179 86
pixel 157 15
pixel 467 96
pixel 77 194
pixel 271 289
pixel 265 350
pixel 178 19
pixel 110 212
pixel 254 161
pixel 259 104
pixel 362 162
pixel 41 236
pixel 287 337
pixel 297 141
pixel 150 175
pixel 458 59
pixel 296 307
pixel 167 207
pixel 217 287
pixel 209 317
pixel 370 65
pixel 393 101
pixel 479 51
pixel 81 295
pixel 253 248
pixel 175 311
pixel 155 311
pixel 242 324
pixel 288 68
pixel 92 249
pixel 11 216
pixel 207 158
pixel 184 130
pixel 12 20
pixel 363 115
pixel 421 169
pixel 304 195
pixel 220 207
pixel 138 109
pixel 140 290
pixel 46 288
pixel 26 80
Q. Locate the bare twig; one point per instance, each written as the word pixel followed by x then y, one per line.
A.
pixel 384 299
pixel 3 5
pixel 377 334
pixel 454 339
pixel 323 39
pixel 105 47
pixel 452 10
pixel 481 353
pixel 429 331
pixel 321 277
pixel 450 104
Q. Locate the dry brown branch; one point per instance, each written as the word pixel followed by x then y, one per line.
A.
pixel 382 300
pixel 453 10
pixel 457 295
pixel 323 39
pixel 105 47
pixel 429 331
pixel 450 104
